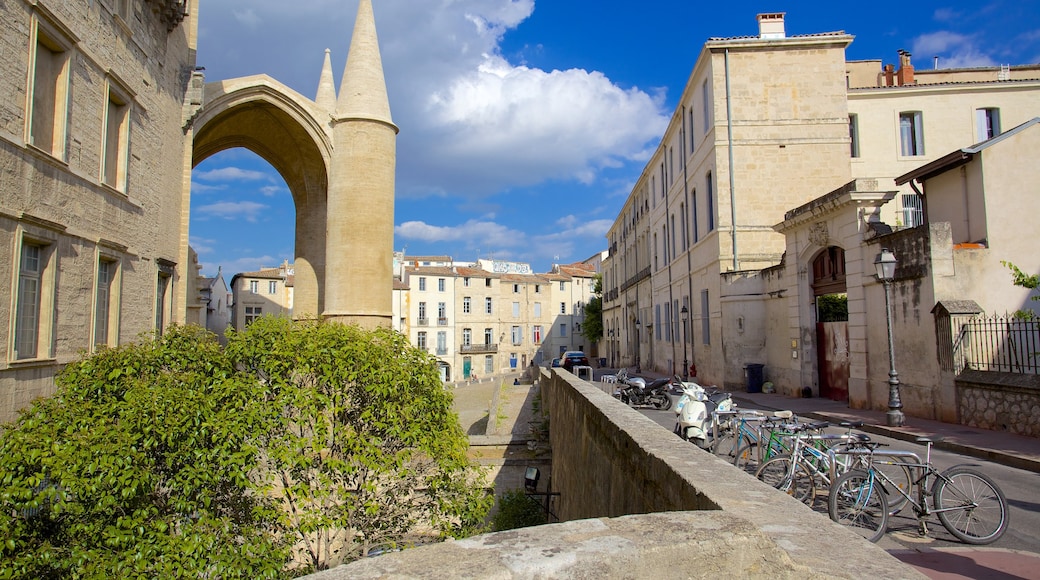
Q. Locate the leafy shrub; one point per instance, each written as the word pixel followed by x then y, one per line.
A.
pixel 517 510
pixel 292 450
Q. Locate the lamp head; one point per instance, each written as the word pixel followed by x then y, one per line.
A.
pixel 531 479
pixel 885 265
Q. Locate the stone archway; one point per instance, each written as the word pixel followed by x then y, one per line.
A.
pixel 337 154
pixel 832 328
pixel 262 115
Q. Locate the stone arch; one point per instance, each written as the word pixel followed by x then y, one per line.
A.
pixel 292 134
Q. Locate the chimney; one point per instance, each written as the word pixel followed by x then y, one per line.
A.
pixel 905 74
pixel 771 25
pixel 890 75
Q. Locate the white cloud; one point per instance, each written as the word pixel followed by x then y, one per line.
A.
pixel 472 123
pixel 485 235
pixel 272 190
pixel 232 174
pixel 246 210
pixel 954 50
pixel 248 18
pixel 197 187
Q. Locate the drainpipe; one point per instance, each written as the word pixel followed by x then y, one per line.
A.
pixel 729 146
pixel 689 245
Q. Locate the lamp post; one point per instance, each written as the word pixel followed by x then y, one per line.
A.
pixel 685 363
pixel 885 264
pixel 639 344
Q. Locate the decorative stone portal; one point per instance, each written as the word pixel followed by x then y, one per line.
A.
pixel 337 155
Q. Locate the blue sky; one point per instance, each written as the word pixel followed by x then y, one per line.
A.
pixel 524 123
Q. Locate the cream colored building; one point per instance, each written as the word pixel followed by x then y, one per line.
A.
pixel 266 292
pixel 492 317
pixel 777 130
pixel 94 138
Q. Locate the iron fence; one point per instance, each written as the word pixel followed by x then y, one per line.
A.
pixel 999 343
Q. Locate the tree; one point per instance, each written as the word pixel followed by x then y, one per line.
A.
pixel 592 327
pixel 295 448
pixel 138 467
pixel 365 446
pixel 1020 278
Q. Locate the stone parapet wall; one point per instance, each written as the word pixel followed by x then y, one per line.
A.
pixel 999 401
pixel 610 462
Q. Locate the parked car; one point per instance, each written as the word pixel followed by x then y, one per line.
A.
pixel 555 363
pixel 573 358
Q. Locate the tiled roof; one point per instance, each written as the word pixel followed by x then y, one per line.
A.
pixel 789 36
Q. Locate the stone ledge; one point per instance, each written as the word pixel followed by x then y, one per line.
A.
pixel 701 544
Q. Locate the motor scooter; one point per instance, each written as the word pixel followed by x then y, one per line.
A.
pixel 694 410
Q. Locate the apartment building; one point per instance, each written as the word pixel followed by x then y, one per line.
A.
pixel 767 124
pixel 268 291
pixel 492 317
pixel 95 99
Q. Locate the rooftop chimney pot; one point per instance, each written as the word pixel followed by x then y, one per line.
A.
pixel 771 25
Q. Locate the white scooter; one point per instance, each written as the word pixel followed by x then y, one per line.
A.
pixel 694 411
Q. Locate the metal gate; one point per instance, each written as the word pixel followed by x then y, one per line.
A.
pixel 832 349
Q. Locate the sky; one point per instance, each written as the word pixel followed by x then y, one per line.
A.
pixel 525 123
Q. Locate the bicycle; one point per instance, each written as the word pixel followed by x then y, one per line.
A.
pixel 730 434
pixel 968 503
pixel 749 455
pixel 810 459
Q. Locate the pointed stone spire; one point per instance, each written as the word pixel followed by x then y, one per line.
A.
pixel 326 97
pixel 362 90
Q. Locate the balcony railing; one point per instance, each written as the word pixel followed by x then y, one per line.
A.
pixel 442 322
pixel 476 348
pixel 442 350
pixel 422 322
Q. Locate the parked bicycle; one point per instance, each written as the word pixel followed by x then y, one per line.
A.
pixel 968 503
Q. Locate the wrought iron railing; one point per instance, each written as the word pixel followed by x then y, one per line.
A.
pixel 1000 343
pixel 474 348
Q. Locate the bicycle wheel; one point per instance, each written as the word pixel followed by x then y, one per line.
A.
pixel 970 505
pixel 901 477
pixel 746 457
pixel 792 479
pixel 723 444
pixel 856 500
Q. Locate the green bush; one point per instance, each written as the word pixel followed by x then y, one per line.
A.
pixel 517 510
pixel 295 448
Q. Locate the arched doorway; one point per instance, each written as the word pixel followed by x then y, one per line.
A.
pixel 832 326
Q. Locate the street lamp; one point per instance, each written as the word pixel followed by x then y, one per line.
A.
pixel 685 364
pixel 639 344
pixel 885 264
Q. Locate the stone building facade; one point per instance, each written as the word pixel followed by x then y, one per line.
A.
pixel 94 102
pixel 489 318
pixel 265 292
pixel 772 132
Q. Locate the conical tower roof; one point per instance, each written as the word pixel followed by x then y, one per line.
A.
pixel 362 91
pixel 326 97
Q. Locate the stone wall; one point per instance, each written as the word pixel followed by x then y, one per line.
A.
pixel 609 462
pixel 999 401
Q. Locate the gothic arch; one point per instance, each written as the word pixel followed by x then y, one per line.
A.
pixel 288 131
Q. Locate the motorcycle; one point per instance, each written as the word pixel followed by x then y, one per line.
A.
pixel 694 412
pixel 636 392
